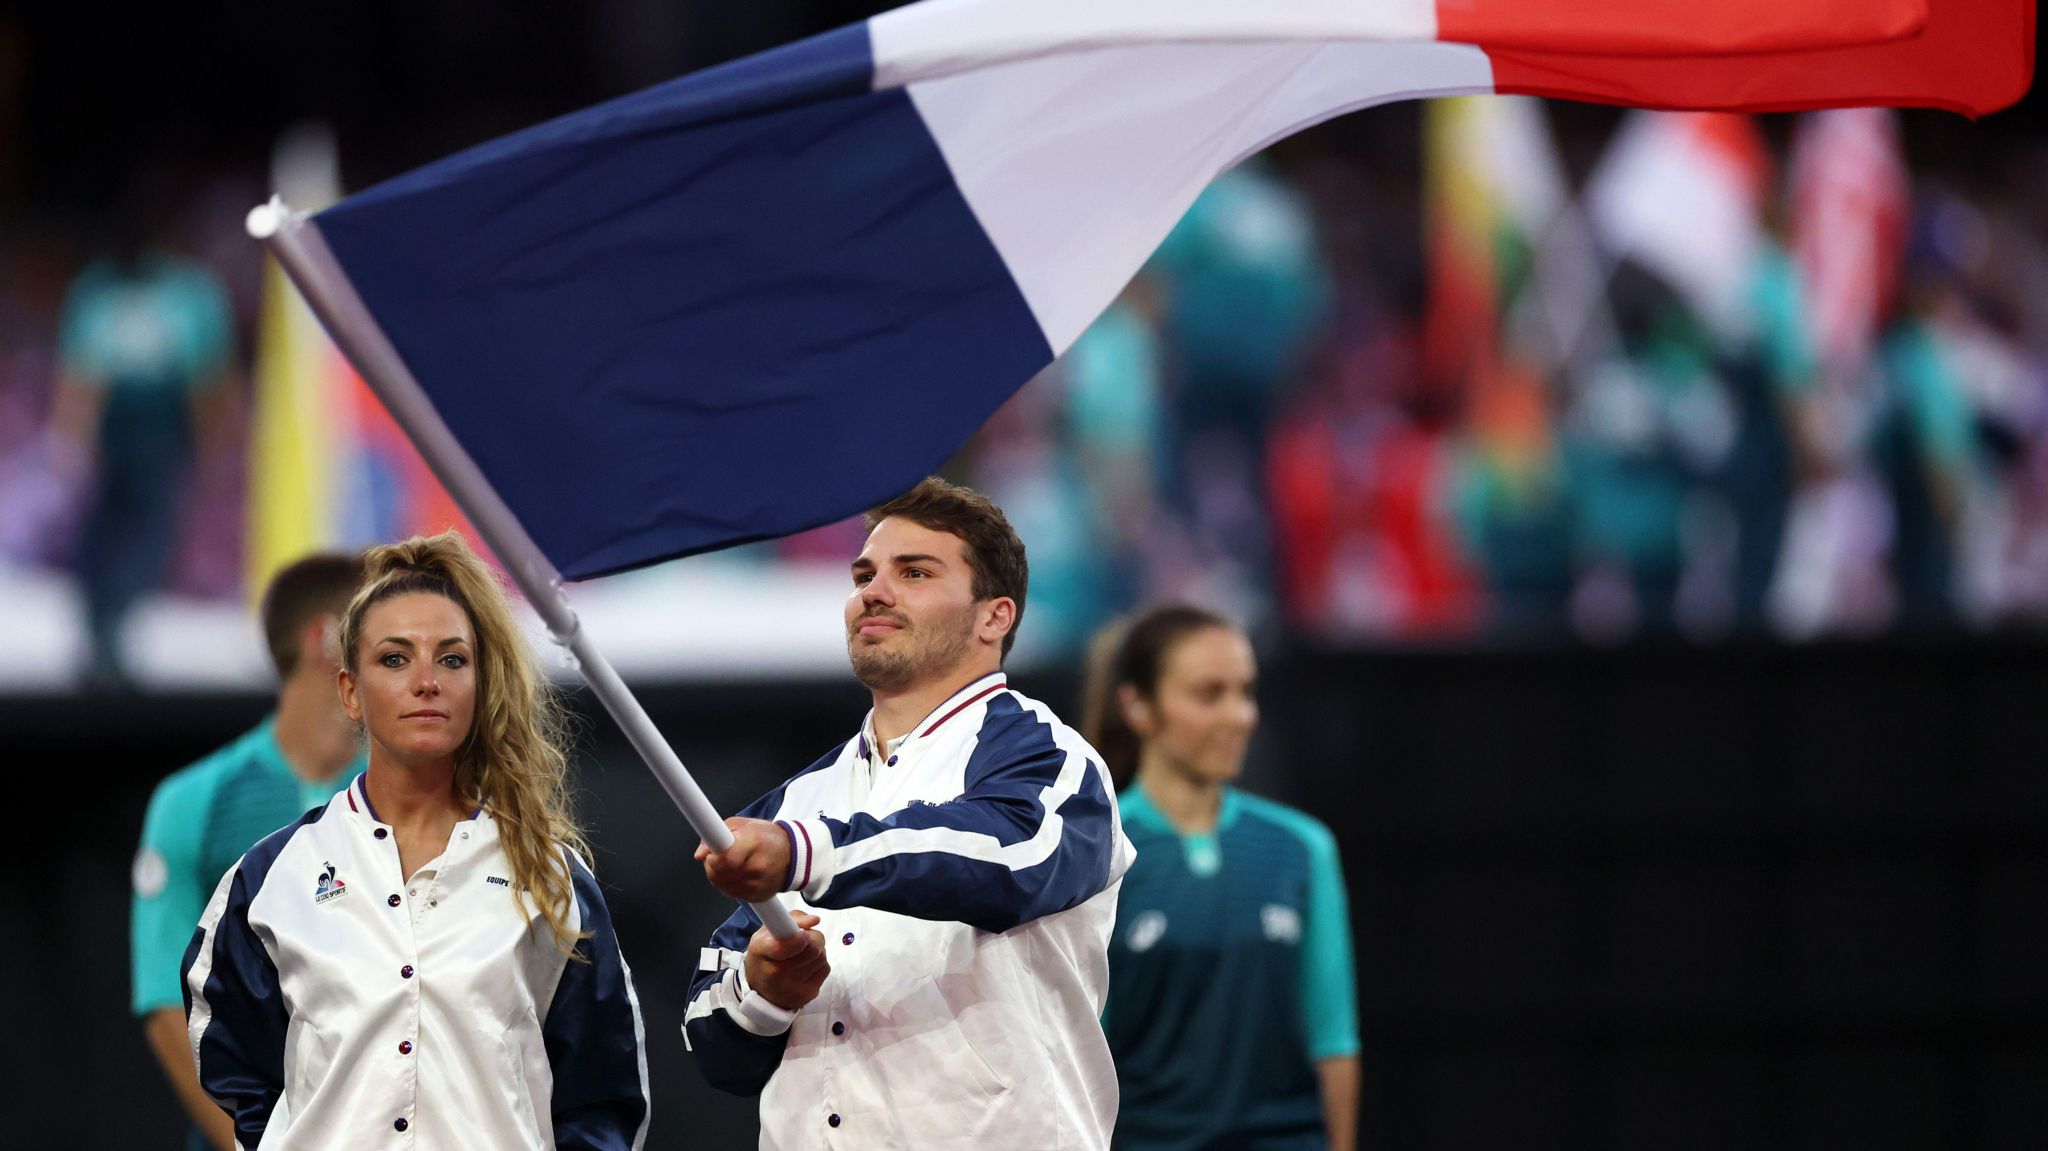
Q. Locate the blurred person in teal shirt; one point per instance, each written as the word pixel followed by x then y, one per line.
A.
pixel 1232 1009
pixel 1244 292
pixel 146 343
pixel 1246 289
pixel 203 817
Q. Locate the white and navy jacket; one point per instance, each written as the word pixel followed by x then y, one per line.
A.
pixel 967 881
pixel 334 1002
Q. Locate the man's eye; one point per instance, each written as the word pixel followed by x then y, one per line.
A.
pixel 918 573
pixel 861 579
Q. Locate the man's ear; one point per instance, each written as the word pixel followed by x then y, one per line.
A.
pixel 998 618
pixel 317 647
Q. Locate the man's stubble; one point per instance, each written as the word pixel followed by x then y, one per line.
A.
pixel 935 646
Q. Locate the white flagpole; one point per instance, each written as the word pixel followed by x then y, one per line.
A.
pixel 306 259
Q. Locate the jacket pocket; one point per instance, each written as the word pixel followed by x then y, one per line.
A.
pixel 960 1055
pixel 511 1074
pixel 308 1057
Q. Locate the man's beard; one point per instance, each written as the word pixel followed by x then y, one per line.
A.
pixel 934 647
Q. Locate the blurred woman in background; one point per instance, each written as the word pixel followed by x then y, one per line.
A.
pixel 427 957
pixel 1232 1010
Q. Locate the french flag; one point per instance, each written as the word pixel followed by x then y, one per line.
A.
pixel 764 296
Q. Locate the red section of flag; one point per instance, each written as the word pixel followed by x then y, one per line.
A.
pixel 1974 57
pixel 1696 27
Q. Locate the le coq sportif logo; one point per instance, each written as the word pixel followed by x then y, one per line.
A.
pixel 330 886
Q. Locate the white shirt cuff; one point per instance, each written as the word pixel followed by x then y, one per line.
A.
pixel 755 1013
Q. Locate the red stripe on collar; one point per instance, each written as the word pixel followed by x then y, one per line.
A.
pixel 970 701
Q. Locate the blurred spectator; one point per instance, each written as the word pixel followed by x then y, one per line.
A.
pixel 1511 507
pixel 1245 290
pixel 146 344
pixel 1116 419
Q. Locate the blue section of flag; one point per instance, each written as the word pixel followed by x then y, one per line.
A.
pixel 734 306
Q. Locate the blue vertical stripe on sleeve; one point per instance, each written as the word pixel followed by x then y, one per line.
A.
pixel 593 1037
pixel 241 1052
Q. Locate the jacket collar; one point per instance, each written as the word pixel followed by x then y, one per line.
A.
pixel 357 794
pixel 935 719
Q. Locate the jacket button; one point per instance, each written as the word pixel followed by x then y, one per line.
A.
pixel 405 972
pixel 847 939
pixel 833 1120
pixel 381 833
pixel 400 1123
pixel 393 901
pixel 892 761
pixel 839 1029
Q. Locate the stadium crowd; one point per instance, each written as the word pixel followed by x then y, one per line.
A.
pixel 1421 374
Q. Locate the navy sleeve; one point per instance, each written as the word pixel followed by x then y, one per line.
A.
pixel 234 1005
pixel 1033 833
pixel 593 1036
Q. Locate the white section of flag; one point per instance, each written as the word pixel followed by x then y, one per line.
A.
pixel 1078 165
pixel 942 37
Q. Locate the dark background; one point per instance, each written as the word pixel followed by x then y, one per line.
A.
pixel 1651 898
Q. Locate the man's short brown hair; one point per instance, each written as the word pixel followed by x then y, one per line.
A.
pixel 994 552
pixel 303 591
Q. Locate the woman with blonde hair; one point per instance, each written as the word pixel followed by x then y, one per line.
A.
pixel 1231 1012
pixel 426 961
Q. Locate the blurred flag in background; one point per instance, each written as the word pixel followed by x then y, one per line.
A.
pixel 328 467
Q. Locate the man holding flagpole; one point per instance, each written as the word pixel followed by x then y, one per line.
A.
pixel 956 864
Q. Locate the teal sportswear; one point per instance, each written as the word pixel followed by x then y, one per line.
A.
pixel 1230 976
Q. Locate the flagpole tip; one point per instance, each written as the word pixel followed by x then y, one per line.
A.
pixel 265 219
